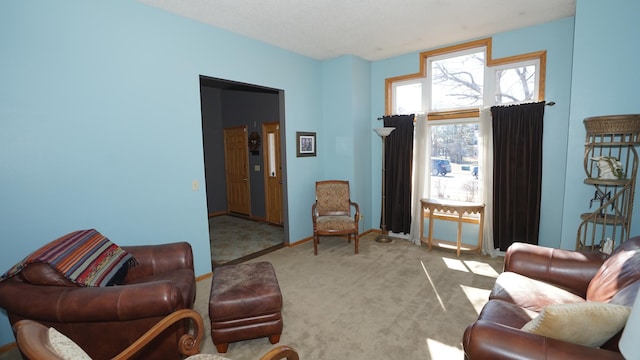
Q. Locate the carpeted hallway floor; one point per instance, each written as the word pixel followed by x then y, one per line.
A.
pixel 234 239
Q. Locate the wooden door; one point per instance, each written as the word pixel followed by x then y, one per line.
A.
pixel 236 160
pixel 272 172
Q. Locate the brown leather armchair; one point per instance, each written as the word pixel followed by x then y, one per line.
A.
pixel 535 277
pixel 106 320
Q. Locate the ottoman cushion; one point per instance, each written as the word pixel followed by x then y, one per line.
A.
pixel 244 290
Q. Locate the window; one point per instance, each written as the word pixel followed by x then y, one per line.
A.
pixel 457 80
pixel 451 87
pixel 408 99
pixel 454 157
pixel 515 84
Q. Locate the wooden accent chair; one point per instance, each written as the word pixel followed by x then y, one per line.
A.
pixel 38 342
pixel 332 212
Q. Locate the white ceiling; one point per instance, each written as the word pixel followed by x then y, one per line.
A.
pixel 370 29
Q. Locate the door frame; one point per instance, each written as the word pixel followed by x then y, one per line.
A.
pixel 229 85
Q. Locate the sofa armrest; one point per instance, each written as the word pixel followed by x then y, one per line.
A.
pixel 489 340
pixel 569 269
pixel 159 259
pixel 59 304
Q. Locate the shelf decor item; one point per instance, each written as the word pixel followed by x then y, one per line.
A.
pixel 609 167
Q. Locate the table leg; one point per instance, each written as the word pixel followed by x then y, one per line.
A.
pixel 430 227
pixel 459 242
pixel 481 230
pixel 421 223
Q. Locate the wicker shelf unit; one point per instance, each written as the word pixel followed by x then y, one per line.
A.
pixel 612 204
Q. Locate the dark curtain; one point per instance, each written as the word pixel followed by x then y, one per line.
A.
pixel 398 158
pixel 517 173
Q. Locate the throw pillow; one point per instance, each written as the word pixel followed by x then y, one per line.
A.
pixel 64 347
pixel 587 323
pixel 84 258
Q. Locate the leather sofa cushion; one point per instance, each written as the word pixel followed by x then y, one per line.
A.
pixel 530 293
pixel 617 272
pixel 506 313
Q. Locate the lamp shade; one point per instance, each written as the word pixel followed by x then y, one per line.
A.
pixel 385 131
pixel 629 345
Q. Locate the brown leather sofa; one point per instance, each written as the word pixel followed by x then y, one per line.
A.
pixel 535 277
pixel 106 320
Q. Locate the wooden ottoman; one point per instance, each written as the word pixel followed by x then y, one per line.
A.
pixel 245 303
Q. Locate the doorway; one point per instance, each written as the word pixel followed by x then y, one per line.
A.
pixel 227 106
pixel 273 172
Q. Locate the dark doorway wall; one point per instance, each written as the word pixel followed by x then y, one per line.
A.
pixel 229 104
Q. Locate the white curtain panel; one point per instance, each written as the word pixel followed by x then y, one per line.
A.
pixel 421 155
pixel 485 176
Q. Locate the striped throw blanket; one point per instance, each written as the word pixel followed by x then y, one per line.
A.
pixel 85 257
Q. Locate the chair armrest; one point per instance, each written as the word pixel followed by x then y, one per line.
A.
pixel 489 340
pixel 357 211
pixel 60 304
pixel 570 269
pixel 159 259
pixel 281 352
pixel 188 344
pixel 33 338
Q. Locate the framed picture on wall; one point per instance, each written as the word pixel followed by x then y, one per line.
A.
pixel 305 144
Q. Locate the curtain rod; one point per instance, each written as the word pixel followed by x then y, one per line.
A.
pixel 550 103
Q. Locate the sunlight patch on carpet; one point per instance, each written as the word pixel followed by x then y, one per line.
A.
pixel 435 291
pixel 455 264
pixel 439 350
pixel 477 297
pixel 481 268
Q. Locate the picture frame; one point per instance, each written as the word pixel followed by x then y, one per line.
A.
pixel 305 144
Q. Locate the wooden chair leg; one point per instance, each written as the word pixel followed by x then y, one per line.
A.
pixel 222 348
pixel 357 241
pixel 274 339
pixel 316 240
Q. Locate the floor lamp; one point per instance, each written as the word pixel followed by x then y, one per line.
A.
pixel 384 236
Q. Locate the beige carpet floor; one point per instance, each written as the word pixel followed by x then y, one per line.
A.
pixel 392 301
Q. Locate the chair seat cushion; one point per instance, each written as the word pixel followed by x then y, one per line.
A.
pixel 530 293
pixel 335 223
pixel 506 313
pixel 64 347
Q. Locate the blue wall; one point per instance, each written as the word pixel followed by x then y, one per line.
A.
pixel 101 126
pixel 605 82
pixel 100 122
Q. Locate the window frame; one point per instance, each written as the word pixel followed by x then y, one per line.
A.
pixel 490 63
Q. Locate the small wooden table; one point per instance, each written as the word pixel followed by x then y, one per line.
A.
pixel 452 207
